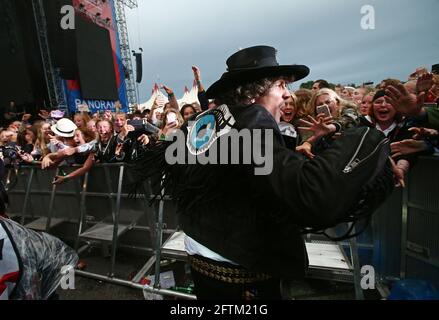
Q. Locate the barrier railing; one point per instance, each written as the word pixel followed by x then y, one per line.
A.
pixel 103 192
pixel 405 242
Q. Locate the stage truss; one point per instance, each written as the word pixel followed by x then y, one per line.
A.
pixel 55 87
pixel 125 47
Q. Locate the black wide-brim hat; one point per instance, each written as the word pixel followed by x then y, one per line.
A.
pixel 252 64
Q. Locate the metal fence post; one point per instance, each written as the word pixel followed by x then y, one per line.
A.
pixel 27 195
pixel 159 240
pixel 82 211
pixel 51 203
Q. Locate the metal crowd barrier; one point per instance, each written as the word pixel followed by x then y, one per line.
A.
pixel 405 229
pixel 401 242
pixel 99 204
pixel 97 197
pixel 419 220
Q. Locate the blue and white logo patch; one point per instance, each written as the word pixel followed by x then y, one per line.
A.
pixel 207 128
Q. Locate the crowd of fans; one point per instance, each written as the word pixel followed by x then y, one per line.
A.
pixel 311 119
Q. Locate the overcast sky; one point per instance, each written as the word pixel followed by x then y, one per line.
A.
pixel 325 35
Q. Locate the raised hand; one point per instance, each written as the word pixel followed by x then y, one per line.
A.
pixel 108 115
pixel 403 101
pixel 170 126
pixel 127 128
pixel 168 90
pixel 197 73
pixel 321 126
pixel 424 83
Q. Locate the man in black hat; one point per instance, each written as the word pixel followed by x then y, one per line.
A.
pixel 243 221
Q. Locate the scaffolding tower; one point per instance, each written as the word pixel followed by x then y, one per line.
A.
pixel 125 48
pixel 54 83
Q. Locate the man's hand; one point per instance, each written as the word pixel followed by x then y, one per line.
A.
pixel 197 73
pixel 407 146
pixel 404 102
pixel 424 83
pixel 144 139
pixel 305 148
pixel 46 163
pixel 321 126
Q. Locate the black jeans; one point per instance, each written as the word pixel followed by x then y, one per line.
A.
pixel 208 288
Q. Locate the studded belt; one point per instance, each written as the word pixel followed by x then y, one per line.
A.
pixel 229 274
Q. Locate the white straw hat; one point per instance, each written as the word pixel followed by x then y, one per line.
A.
pixel 64 128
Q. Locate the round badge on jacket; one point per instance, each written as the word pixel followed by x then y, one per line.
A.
pixel 207 128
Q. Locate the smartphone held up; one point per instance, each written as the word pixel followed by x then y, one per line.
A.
pixel 323 109
pixel 171 118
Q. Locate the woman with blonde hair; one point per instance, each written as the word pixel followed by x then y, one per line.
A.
pixel 81 119
pixel 43 139
pixel 366 103
pixel 338 107
pixel 303 97
pixel 172 120
pixel 333 117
